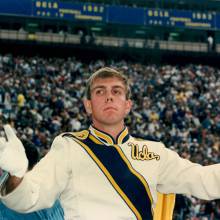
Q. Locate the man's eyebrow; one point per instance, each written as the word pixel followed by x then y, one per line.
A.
pixel 118 87
pixel 102 87
pixel 98 87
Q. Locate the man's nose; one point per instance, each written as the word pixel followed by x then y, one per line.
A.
pixel 109 96
pixel 109 99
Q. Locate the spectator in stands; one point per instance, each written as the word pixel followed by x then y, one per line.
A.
pixel 210 41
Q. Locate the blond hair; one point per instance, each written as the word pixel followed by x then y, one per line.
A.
pixel 107 72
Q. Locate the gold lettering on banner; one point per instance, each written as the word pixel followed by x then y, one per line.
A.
pixel 142 154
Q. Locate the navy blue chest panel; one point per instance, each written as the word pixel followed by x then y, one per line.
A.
pixel 129 184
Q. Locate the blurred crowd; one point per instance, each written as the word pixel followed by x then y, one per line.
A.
pixel 178 105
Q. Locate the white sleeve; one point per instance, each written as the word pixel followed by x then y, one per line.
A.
pixel 178 175
pixel 42 186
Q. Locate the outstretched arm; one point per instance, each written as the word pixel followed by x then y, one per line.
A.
pixel 179 175
pixel 41 186
pixel 12 159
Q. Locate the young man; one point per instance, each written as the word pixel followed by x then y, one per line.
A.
pixel 102 172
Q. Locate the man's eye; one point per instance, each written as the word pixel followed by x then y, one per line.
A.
pixel 117 92
pixel 99 92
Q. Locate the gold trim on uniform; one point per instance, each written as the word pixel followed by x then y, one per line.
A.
pixel 103 136
pixel 82 135
pixel 106 138
pixel 121 137
pixel 95 140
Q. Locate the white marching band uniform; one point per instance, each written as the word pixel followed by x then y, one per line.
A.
pixel 97 178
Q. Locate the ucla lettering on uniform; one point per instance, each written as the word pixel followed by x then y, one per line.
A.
pixel 142 154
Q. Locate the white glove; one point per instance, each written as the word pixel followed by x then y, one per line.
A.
pixel 12 154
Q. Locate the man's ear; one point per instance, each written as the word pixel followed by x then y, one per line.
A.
pixel 128 106
pixel 87 105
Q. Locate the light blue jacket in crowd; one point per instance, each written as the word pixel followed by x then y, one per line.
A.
pixel 53 213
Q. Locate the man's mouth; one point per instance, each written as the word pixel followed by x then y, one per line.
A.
pixel 110 108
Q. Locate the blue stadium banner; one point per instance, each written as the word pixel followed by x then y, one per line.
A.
pixel 16 7
pixel 91 12
pixel 125 15
pixel 180 18
pixel 69 11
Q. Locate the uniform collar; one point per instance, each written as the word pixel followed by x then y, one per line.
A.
pixel 122 137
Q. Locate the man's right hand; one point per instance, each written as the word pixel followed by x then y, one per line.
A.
pixel 12 154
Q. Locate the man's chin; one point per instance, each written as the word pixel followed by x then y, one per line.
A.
pixel 111 121
pixel 110 116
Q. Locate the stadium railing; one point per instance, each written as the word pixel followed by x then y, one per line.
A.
pixel 105 41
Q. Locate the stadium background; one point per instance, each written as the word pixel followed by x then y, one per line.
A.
pixel 168 43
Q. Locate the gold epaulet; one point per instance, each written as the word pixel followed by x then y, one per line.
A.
pixel 81 135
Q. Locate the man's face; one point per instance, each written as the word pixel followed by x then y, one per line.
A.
pixel 108 104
